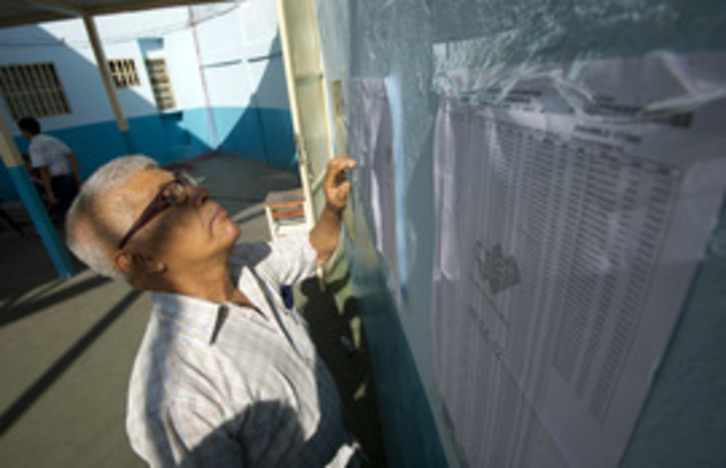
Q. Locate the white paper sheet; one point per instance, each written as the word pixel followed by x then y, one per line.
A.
pixel 369 130
pixel 569 228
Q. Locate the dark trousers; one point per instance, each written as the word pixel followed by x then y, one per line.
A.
pixel 65 189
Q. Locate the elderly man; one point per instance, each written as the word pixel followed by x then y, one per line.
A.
pixel 225 375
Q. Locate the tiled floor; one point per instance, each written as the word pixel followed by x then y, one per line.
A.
pixel 66 347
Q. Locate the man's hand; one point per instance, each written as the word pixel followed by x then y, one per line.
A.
pixel 47 185
pixel 324 236
pixel 336 185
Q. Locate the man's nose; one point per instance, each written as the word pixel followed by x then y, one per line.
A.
pixel 199 194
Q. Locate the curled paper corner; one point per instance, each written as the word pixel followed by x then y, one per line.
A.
pixel 661 85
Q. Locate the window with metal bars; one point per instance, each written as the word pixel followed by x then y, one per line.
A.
pixel 33 89
pixel 161 84
pixel 124 73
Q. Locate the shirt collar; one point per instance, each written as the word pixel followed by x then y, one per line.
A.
pixel 200 317
pixel 196 316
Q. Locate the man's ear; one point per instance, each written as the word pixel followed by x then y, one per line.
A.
pixel 133 264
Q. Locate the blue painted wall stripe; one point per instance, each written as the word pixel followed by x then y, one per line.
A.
pixel 263 134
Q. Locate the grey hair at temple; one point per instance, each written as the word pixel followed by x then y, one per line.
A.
pixel 98 217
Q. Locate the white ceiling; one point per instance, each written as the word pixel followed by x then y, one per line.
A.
pixel 19 12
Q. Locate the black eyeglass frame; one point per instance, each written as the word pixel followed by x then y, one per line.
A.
pixel 160 203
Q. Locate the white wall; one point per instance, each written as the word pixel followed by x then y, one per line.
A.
pixel 183 67
pixel 236 50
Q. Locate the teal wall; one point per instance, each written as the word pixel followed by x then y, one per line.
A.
pixel 393 40
pixel 682 423
pixel 257 133
pixel 409 430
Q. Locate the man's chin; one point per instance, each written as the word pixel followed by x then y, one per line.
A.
pixel 235 231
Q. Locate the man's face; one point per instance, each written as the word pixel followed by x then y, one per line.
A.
pixel 184 236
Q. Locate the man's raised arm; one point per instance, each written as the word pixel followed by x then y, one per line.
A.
pixel 325 235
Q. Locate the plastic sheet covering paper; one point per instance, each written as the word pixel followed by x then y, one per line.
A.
pixel 369 128
pixel 574 203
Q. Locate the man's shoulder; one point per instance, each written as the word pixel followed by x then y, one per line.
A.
pixel 36 142
pixel 160 370
pixel 175 369
pixel 176 343
pixel 42 138
pixel 43 142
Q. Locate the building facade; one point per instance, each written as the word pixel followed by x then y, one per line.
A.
pixel 190 80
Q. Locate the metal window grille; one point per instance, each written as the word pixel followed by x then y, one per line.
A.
pixel 33 90
pixel 161 84
pixel 124 73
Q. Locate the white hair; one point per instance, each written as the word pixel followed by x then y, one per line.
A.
pixel 100 215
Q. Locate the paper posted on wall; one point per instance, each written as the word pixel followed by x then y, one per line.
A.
pixel 369 130
pixel 573 207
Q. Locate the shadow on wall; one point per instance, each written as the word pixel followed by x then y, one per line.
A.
pixel 262 133
pixel 331 330
pixel 262 130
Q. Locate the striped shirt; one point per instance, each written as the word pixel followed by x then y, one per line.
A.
pixel 221 385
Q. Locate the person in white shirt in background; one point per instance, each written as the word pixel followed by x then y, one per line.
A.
pixel 57 165
pixel 226 374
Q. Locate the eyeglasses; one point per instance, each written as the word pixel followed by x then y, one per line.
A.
pixel 172 193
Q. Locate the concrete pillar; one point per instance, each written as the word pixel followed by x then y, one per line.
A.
pixel 308 96
pixel 103 69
